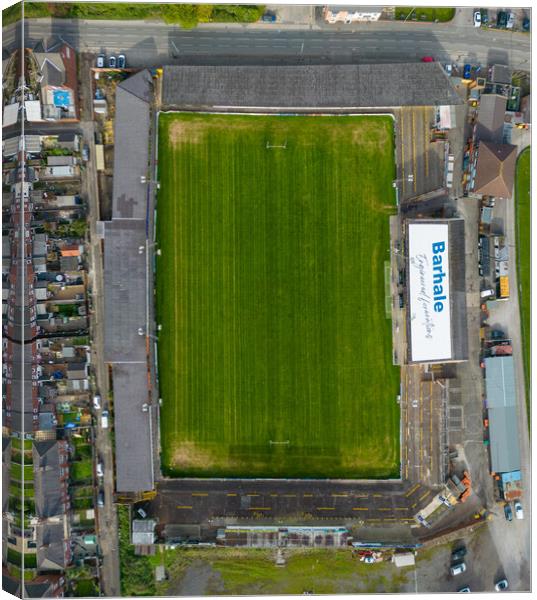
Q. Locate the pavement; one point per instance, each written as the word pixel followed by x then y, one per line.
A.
pixel 106 516
pixel 154 42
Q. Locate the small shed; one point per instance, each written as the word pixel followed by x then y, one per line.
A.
pixel 404 559
pixel 143 532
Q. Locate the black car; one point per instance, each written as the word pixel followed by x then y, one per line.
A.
pixel 501 19
pixel 401 301
pixel 458 554
pixel 526 24
pixel 100 499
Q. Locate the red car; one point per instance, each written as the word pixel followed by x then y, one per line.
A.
pixel 427 59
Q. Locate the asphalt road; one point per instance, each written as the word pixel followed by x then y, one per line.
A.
pixel 151 43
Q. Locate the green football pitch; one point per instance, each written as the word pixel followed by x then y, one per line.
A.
pixel 275 354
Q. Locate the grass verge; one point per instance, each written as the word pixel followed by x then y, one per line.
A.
pixel 523 220
pixel 423 13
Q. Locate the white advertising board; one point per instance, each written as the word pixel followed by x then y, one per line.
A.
pixel 428 277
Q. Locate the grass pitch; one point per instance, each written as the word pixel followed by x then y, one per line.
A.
pixel 275 351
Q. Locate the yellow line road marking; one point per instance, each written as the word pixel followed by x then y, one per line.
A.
pixel 232 494
pixel 377 495
pixel 390 519
pixel 325 508
pixel 273 495
pixel 340 495
pixel 412 490
pixel 385 509
pixel 252 495
pixel 289 495
pixel 362 497
pixel 308 495
pixel 414 505
pixel 401 508
pixel 200 494
pixel 184 507
pixel 260 508
pixel 424 495
pixel 360 508
pixel 378 520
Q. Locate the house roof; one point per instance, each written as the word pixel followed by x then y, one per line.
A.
pixel 304 87
pixel 495 172
pixel 46 459
pixel 502 414
pixel 51 547
pixel 490 118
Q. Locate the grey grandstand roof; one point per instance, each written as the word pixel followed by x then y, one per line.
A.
pixel 125 286
pixel 503 422
pixel 134 451
pixel 491 117
pixel 131 142
pixel 315 86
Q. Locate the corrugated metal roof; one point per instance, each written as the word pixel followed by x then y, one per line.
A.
pixel 314 86
pixel 502 410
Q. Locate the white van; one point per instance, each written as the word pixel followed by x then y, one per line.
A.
pixel 104 419
pixel 487 293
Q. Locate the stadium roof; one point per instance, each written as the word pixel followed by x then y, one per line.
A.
pixel 503 422
pixel 134 449
pixel 495 171
pixel 308 87
pixel 125 290
pixel 131 146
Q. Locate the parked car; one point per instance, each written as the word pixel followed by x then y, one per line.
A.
pixel 465 589
pixel 96 402
pixel 269 17
pixel 112 62
pixel 121 61
pixel 526 24
pixel 501 585
pixel 467 72
pixel 477 18
pixel 519 512
pixel 457 568
pixel 100 61
pixel 142 513
pixel 85 152
pixel 458 554
pixel 484 16
pixel 510 21
pixel 449 68
pixel 427 59
pixel 501 19
pixel 508 511
pixel 100 469
pixel 100 499
pixel 104 419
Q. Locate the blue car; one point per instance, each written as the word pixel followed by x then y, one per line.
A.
pixel 467 74
pixel 508 511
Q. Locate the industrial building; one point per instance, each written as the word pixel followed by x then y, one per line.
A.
pixel 436 293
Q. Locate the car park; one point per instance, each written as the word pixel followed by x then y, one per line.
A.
pixel 508 511
pixel 519 512
pixel 457 568
pixel 112 62
pixel 100 61
pixel 501 585
pixel 97 402
pixel 121 61
pixel 477 18
pixel 458 554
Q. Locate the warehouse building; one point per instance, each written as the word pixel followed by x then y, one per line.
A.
pixel 502 414
pixel 436 294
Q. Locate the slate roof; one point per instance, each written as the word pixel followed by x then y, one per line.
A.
pixel 46 459
pixel 134 451
pixel 495 171
pixel 51 547
pixel 490 118
pixel 502 414
pixel 131 146
pixel 315 86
